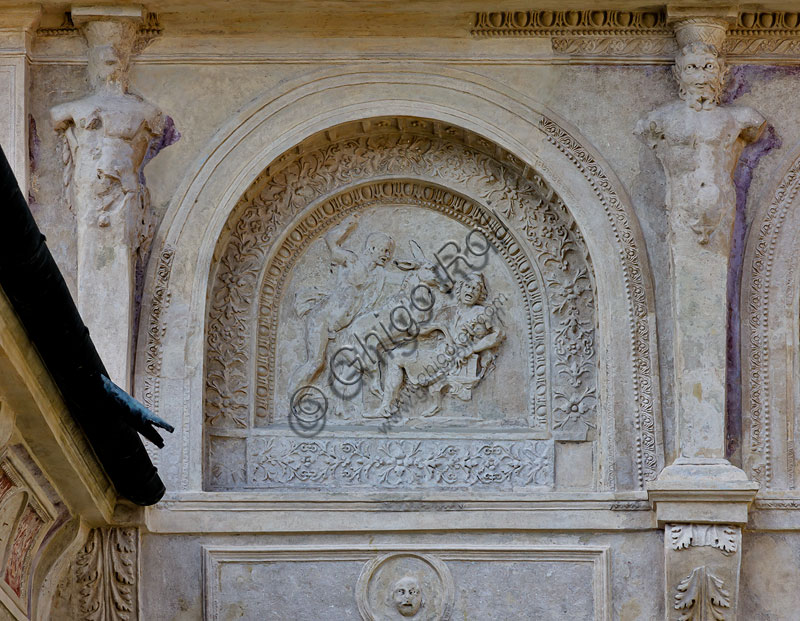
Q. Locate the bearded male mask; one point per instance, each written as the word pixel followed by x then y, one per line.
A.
pixel 700 72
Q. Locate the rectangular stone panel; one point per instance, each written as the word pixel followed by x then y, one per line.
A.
pixel 342 582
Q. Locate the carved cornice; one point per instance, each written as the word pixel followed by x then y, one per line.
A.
pixel 646 34
pixel 148 29
pixel 570 23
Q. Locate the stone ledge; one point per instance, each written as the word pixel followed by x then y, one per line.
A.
pixel 702 491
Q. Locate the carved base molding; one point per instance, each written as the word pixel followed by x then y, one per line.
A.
pixel 708 491
pixel 640 34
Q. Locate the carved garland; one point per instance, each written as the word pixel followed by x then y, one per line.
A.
pixel 283 190
pixel 647 456
pixel 760 461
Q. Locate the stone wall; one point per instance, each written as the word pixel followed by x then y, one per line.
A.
pixel 284 151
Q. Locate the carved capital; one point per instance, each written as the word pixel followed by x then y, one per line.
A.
pixel 701 25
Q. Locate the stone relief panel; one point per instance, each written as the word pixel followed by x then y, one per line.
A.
pixel 399 305
pixel 403 326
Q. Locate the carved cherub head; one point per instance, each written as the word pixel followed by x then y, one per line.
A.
pixel 700 72
pixel 472 289
pixel 380 247
pixel 407 596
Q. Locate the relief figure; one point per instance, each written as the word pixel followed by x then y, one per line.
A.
pixel 467 336
pixel 699 142
pixel 359 283
pixel 407 596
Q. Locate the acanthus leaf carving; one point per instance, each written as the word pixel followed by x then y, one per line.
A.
pixel 106 575
pixel 702 596
pixel 724 538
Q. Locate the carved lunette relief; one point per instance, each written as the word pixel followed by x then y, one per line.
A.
pixel 470 214
pixel 646 456
pixel 287 188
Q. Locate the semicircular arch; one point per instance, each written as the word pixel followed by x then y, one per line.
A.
pixel 530 134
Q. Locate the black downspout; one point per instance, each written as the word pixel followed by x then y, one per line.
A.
pixel 35 287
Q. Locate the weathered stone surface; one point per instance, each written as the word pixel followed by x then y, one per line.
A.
pixel 105 140
pixel 322 165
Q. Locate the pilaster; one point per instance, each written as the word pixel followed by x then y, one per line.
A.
pixel 17 24
pixel 701 499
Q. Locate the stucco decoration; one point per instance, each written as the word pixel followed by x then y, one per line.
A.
pixel 107 138
pixel 449 268
pixel 405 586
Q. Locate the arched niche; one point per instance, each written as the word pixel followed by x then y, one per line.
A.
pixel 770 335
pixel 407 179
pixel 171 368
